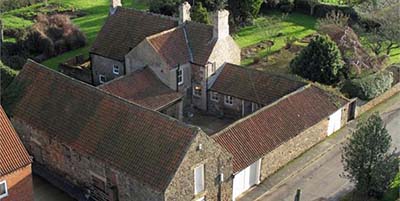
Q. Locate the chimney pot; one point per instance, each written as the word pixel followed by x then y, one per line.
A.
pixel 184 12
pixel 221 23
pixel 114 5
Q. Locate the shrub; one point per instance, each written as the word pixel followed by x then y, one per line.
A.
pixel 200 14
pixel 320 61
pixel 7 76
pixel 368 87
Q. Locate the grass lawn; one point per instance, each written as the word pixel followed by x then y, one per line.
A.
pixel 294 25
pixel 96 13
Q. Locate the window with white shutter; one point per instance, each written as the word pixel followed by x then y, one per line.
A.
pixel 199 179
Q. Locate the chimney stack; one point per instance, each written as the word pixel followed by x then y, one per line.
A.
pixel 184 12
pixel 221 23
pixel 114 5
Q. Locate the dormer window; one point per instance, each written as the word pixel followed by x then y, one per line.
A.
pixel 3 189
pixel 179 76
pixel 116 69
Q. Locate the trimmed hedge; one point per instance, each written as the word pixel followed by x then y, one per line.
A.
pixel 321 9
pixel 368 87
pixel 7 76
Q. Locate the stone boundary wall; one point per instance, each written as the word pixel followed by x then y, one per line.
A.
pixel 296 146
pixel 372 103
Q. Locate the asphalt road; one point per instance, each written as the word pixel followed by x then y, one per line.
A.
pixel 322 178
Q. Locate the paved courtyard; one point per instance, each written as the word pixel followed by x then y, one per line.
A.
pixel 44 191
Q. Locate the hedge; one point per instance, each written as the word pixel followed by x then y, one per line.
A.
pixel 7 76
pixel 321 9
pixel 368 87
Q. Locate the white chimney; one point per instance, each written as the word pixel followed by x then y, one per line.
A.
pixel 221 23
pixel 184 12
pixel 114 5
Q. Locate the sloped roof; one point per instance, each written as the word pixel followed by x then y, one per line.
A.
pixel 201 41
pixel 125 29
pixel 143 88
pixel 253 85
pixel 13 154
pixel 171 45
pixel 147 145
pixel 251 138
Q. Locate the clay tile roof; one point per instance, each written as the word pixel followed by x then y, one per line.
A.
pixel 143 88
pixel 126 29
pixel 201 41
pixel 253 85
pixel 13 154
pixel 172 46
pixel 251 138
pixel 145 144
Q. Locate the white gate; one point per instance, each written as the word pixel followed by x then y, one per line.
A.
pixel 334 122
pixel 246 178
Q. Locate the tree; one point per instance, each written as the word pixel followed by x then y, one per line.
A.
pixel 383 30
pixel 244 11
pixel 200 14
pixel 320 61
pixel 366 158
pixel 165 7
pixel 312 4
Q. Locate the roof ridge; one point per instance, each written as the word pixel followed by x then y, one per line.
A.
pixel 261 110
pixel 149 13
pixel 90 87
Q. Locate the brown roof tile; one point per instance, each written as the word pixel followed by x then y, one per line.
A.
pixel 172 46
pixel 145 144
pixel 253 85
pixel 201 41
pixel 13 154
pixel 143 88
pixel 251 138
pixel 126 29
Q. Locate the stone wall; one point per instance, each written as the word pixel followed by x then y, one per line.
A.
pixel 288 151
pixel 19 185
pixel 372 103
pixel 175 110
pixel 219 108
pixel 225 51
pixel 215 159
pixel 104 66
pixel 78 168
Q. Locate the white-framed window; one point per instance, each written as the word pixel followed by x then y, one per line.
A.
pixel 214 96
pixel 228 100
pixel 3 189
pixel 199 179
pixel 197 91
pixel 102 78
pixel 179 76
pixel 116 69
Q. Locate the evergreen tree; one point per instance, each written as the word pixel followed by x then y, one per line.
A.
pixel 366 158
pixel 244 11
pixel 200 14
pixel 320 61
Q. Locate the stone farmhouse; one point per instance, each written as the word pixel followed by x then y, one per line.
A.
pixel 169 115
pixel 15 164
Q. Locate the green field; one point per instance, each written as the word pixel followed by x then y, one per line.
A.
pixel 294 25
pixel 96 12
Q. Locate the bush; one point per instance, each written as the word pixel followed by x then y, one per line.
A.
pixel 368 87
pixel 320 61
pixel 7 76
pixel 200 14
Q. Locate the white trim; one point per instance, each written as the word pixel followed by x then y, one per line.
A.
pixel 226 97
pixel 6 190
pixel 181 76
pixel 216 95
pixel 100 78
pixel 202 184
pixel 201 199
pixel 115 69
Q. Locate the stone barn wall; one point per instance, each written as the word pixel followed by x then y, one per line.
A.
pixel 78 168
pixel 104 66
